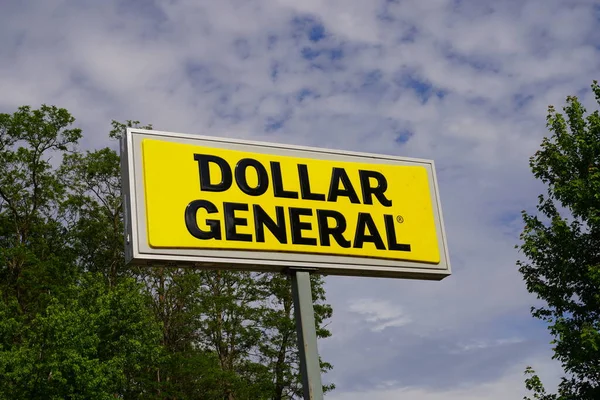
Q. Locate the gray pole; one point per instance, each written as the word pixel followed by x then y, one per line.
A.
pixel 310 367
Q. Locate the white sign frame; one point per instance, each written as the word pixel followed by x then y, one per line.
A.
pixel 137 250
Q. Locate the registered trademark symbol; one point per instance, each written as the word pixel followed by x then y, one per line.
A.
pixel 399 219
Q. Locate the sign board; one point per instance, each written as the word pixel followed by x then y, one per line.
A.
pixel 222 203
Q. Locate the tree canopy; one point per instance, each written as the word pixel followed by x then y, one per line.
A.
pixel 562 247
pixel 77 323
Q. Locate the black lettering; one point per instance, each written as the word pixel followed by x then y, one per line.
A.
pixel 191 222
pixel 368 191
pixel 305 185
pixel 339 175
pixel 242 181
pixel 336 231
pixel 262 220
pixel 391 235
pixel 365 221
pixel 204 161
pixel 278 189
pixel 232 222
pixel 297 227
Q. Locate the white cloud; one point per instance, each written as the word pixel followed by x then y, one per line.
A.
pixel 380 314
pixel 508 386
pixel 485 344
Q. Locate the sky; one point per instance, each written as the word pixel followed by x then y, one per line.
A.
pixel 466 83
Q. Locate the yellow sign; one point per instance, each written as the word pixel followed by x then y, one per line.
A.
pixel 200 197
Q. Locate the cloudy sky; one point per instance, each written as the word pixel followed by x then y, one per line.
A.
pixel 466 83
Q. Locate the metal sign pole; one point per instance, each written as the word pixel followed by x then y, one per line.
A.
pixel 310 367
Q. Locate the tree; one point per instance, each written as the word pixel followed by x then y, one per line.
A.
pixel 96 344
pixel 562 247
pixel 95 211
pixel 31 191
pixel 278 347
pixel 184 370
pixel 76 322
pixel 64 333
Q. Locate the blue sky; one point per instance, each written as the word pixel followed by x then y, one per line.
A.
pixel 465 83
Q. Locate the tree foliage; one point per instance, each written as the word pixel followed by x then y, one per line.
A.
pixel 77 323
pixel 562 246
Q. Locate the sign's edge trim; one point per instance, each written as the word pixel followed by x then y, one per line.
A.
pixel 278 266
pixel 441 218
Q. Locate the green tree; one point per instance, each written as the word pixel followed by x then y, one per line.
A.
pixel 278 347
pixel 77 323
pixel 31 191
pixel 64 333
pixel 562 247
pixel 184 370
pixel 94 345
pixel 187 370
pixel 95 211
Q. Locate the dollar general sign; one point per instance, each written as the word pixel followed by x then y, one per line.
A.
pixel 260 206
